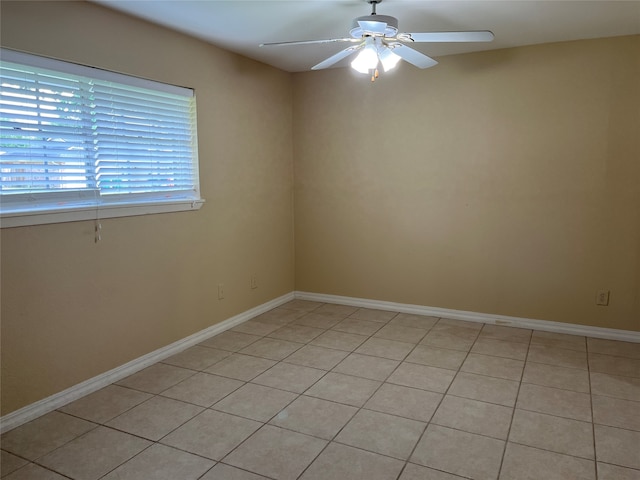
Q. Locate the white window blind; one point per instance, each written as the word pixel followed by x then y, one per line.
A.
pixel 79 139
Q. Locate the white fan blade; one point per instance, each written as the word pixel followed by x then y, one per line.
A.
pixel 309 42
pixel 373 27
pixel 414 57
pixel 478 36
pixel 335 58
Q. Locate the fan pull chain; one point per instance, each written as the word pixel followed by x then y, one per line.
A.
pixel 374 75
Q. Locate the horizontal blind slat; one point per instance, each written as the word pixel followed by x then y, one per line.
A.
pixel 29 81
pixel 132 95
pixel 116 117
pixel 117 131
pixel 160 166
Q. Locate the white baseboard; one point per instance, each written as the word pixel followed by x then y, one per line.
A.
pixel 46 405
pixel 546 325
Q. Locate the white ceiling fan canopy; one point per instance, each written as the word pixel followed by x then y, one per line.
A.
pixel 374 25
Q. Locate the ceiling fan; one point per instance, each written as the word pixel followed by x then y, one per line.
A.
pixel 378 41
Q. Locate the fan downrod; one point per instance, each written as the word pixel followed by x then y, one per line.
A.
pixel 373 4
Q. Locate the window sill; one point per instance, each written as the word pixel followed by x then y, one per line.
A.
pixel 76 214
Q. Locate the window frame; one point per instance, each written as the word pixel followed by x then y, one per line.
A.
pixel 82 204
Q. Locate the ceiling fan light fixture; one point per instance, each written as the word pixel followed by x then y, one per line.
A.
pixel 388 59
pixel 367 59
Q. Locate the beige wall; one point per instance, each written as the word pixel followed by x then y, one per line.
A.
pixel 72 309
pixel 505 182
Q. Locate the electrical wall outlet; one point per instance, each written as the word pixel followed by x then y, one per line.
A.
pixel 602 298
pixel 220 291
pixel 254 282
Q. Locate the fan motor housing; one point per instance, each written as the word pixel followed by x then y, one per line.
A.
pixel 357 31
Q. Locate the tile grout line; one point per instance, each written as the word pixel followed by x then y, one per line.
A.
pixel 300 394
pixel 593 420
pixel 352 416
pixel 359 409
pixel 372 335
pixel 128 459
pixel 444 394
pixel 552 451
pixel 35 460
pixel 156 442
pixel 380 386
pixel 513 412
pixel 267 422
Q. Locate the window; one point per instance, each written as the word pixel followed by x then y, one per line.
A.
pixel 81 143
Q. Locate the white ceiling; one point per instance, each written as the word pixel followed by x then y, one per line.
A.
pixel 241 25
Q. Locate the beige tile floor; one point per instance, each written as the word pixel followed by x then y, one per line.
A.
pixel 316 391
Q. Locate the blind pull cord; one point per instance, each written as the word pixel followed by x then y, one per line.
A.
pixel 98 229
